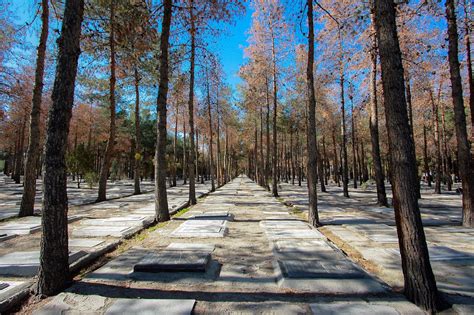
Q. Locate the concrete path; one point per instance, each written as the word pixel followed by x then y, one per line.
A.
pixel 238 251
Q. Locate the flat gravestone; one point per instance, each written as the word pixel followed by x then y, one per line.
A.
pixel 201 222
pixel 85 242
pixel 352 308
pixel 383 238
pixel 293 234
pixel 199 231
pixel 97 231
pixel 316 269
pixel 213 215
pixel 26 264
pixel 151 307
pixel 191 246
pixel 19 228
pixel 3 286
pixel 174 261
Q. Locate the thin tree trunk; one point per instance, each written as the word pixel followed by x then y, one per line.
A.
pixel 345 176
pixel 211 153
pixel 464 156
pixel 354 158
pixel 313 216
pixel 161 198
pixel 434 108
pixel 267 164
pixel 374 120
pixel 191 160
pixel 420 284
pixel 53 273
pixel 175 143
pixel 467 39
pixel 425 158
pixel 275 101
pixel 104 170
pixel 138 151
pixel 29 190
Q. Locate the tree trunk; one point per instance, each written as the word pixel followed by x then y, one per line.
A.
pixel 175 143
pixel 109 149
pixel 211 153
pixel 425 158
pixel 53 273
pixel 267 164
pixel 434 108
pixel 467 38
pixel 464 156
pixel 354 143
pixel 161 199
pixel 345 176
pixel 374 120
pixel 29 190
pixel 312 162
pixel 138 151
pixel 191 160
pixel 420 284
pixel 275 101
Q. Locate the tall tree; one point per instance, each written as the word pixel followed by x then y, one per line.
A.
pixel 420 284
pixel 53 271
pixel 109 150
pixel 374 120
pixel 311 162
pixel 464 156
pixel 29 190
pixel 161 199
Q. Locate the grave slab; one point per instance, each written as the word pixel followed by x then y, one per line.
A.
pixel 26 264
pixel 85 242
pixel 308 269
pixel 174 261
pixel 357 308
pixel 209 248
pixel 151 307
pixel 97 231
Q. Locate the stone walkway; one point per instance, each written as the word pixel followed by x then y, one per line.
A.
pixel 94 230
pixel 238 251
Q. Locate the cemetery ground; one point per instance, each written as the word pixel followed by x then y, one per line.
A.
pixel 239 250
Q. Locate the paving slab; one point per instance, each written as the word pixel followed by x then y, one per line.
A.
pixel 209 248
pixel 357 308
pixel 151 307
pixel 97 231
pixel 85 242
pixel 320 269
pixel 26 264
pixel 174 261
pixel 293 234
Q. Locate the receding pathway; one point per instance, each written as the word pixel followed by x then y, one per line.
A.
pixel 237 251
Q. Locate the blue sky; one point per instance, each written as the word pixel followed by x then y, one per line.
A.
pixel 230 45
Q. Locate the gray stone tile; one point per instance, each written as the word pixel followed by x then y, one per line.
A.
pixel 327 269
pixel 26 264
pixel 151 307
pixel 174 261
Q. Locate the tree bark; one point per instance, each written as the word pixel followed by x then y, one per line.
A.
pixel 274 138
pixel 420 284
pixel 29 188
pixel 161 198
pixel 434 108
pixel 312 162
pixel 464 156
pixel 109 149
pixel 53 273
pixel 211 153
pixel 191 160
pixel 138 151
